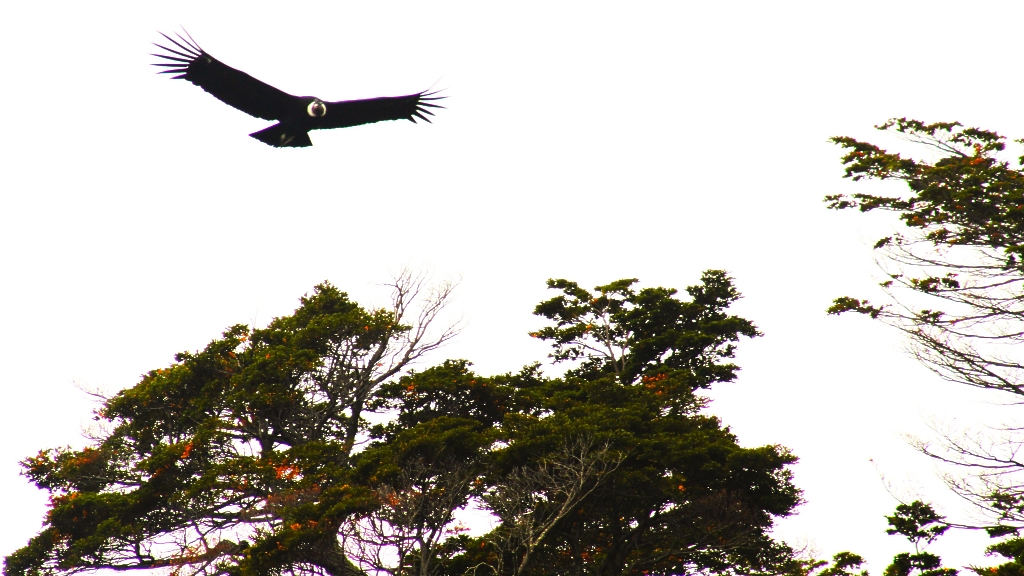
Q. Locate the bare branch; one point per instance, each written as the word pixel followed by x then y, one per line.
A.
pixel 530 501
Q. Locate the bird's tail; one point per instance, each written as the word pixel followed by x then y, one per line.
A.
pixel 279 136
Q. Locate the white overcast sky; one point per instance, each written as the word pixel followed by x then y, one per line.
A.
pixel 588 140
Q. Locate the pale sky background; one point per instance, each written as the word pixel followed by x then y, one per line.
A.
pixel 590 140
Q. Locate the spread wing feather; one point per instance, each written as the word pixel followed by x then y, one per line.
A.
pixel 355 112
pixel 232 87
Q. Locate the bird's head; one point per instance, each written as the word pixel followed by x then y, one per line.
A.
pixel 316 108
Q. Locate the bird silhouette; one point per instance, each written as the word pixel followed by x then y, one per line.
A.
pixel 295 115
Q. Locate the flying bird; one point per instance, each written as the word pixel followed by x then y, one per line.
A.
pixel 295 115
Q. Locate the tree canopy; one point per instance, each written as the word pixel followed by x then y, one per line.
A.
pixel 309 447
pixel 955 282
pixel 955 271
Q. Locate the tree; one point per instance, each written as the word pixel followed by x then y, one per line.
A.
pixel 921 525
pixel 530 501
pixel 842 564
pixel 614 469
pixel 424 466
pixel 955 281
pixel 255 456
pixel 235 459
pixel 961 253
pixel 627 333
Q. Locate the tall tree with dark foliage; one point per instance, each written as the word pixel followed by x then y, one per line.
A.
pixel 295 115
pixel 625 473
pixel 236 459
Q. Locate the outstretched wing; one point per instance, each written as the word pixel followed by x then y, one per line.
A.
pixel 355 112
pixel 232 87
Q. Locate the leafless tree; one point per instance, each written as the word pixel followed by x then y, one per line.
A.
pixel 962 310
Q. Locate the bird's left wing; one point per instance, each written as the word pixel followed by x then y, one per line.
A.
pixel 355 112
pixel 232 87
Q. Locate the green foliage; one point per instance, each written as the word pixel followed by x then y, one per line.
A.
pixel 918 522
pixel 449 390
pixel 921 564
pixel 921 525
pixel 254 456
pixel 628 333
pixel 674 492
pixel 247 440
pixel 968 197
pixel 843 564
pixel 671 491
pixel 847 304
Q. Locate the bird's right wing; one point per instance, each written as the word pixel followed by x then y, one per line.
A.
pixel 232 87
pixel 355 112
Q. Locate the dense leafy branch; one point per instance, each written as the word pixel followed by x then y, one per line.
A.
pixel 629 333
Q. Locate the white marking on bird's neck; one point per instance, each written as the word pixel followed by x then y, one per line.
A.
pixel 316 108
